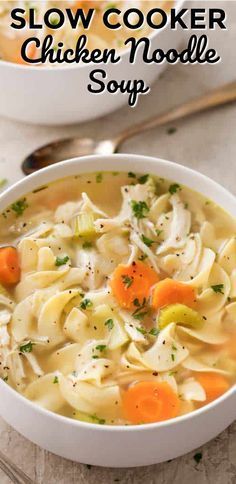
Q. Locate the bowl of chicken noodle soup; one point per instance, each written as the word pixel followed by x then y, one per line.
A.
pixel 118 309
pixel 57 93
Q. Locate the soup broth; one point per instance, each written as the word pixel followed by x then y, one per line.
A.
pixel 118 298
pixel 99 37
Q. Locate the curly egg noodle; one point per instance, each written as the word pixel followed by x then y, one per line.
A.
pixel 118 305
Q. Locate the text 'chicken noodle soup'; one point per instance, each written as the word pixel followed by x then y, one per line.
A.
pixel 98 35
pixel 118 298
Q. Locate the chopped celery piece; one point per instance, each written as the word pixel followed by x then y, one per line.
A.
pixel 180 314
pixel 84 225
pixel 83 417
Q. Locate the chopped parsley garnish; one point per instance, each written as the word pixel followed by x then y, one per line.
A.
pixel 174 188
pixel 141 311
pixel 99 177
pixel 98 420
pixel 218 288
pixel 55 380
pixel 172 357
pixel 101 347
pixel 174 348
pixel 148 242
pixel 141 330
pixel 127 281
pixel 142 257
pixel 131 175
pixel 87 245
pixel 19 207
pixel 60 261
pixel 140 209
pixel 86 303
pixel 140 315
pixel 154 331
pixel 5 378
pixel 27 348
pixel 143 179
pixel 158 232
pixel 110 324
pixel 198 457
pixel 95 357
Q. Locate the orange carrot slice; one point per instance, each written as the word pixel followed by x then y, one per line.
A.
pixel 169 291
pixel 149 401
pixel 214 385
pixel 133 282
pixel 9 266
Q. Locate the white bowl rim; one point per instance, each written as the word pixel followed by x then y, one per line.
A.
pixel 4 198
pixel 177 4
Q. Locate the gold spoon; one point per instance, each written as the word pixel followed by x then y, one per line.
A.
pixel 13 472
pixel 73 147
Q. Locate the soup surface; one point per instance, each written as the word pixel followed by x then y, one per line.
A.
pixel 99 37
pixel 118 298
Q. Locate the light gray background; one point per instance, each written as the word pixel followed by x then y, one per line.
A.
pixel 205 143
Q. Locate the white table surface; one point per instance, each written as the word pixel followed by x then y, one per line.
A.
pixel 205 143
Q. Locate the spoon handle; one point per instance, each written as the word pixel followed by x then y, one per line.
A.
pixel 13 472
pixel 217 97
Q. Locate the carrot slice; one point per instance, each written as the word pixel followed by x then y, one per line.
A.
pixel 214 385
pixel 133 282
pixel 150 401
pixel 169 291
pixel 9 266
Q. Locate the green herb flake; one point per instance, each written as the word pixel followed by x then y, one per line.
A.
pixel 5 378
pixel 99 178
pixel 158 232
pixel 174 188
pixel 101 347
pixel 127 281
pixel 140 316
pixel 139 209
pixel 100 421
pixel 174 348
pixel 131 175
pixel 19 207
pixel 198 457
pixel 172 357
pixel 110 324
pixel 87 245
pixel 148 242
pixel 218 288
pixel 61 261
pixel 3 182
pixel 141 330
pixel 95 357
pixel 136 302
pixel 186 205
pixel 154 332
pixel 27 348
pixel 55 380
pixel 86 303
pixel 143 179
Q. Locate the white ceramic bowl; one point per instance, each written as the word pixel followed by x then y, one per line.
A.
pixel 101 444
pixel 59 95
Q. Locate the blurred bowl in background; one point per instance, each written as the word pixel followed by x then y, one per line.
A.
pixel 59 95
